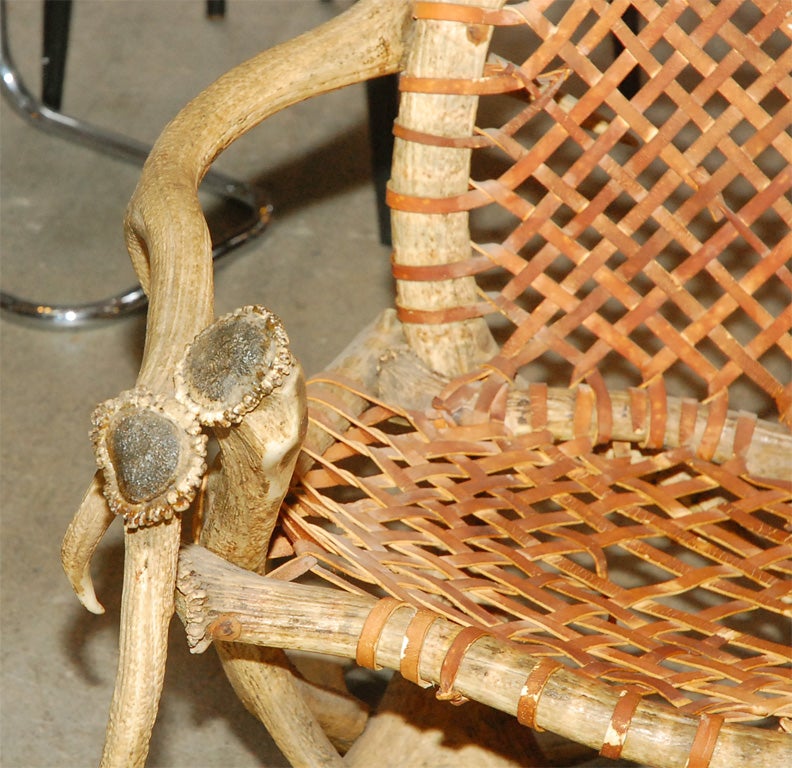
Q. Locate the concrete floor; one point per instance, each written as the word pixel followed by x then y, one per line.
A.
pixel 320 266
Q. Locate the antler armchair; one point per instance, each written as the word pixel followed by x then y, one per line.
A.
pixel 555 479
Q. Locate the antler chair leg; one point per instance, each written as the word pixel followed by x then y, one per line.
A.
pixel 240 377
pixel 444 172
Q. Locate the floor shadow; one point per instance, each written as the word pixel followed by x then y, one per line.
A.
pixel 199 680
pixel 81 632
pixel 342 163
pixel 326 170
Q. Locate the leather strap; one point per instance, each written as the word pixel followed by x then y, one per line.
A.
pixel 372 629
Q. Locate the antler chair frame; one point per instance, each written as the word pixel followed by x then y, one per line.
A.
pixel 528 485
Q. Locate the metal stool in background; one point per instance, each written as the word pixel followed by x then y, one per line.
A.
pixel 45 115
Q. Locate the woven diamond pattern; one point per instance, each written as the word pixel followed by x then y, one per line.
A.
pixel 640 155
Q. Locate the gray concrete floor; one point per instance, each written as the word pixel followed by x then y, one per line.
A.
pixel 320 265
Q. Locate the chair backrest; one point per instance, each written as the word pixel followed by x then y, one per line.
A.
pixel 639 155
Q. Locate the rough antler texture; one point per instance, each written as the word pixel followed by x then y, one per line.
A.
pixel 313 619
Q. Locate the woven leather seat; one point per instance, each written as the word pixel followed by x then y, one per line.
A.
pixel 570 437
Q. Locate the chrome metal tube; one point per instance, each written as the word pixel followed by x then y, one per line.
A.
pixel 43 118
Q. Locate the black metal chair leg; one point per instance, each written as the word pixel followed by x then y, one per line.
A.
pixel 55 43
pixel 383 107
pixel 52 121
pixel 215 9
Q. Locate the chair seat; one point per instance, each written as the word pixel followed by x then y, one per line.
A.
pixel 653 568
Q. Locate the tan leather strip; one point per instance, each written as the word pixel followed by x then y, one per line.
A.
pixel 584 408
pixel 532 691
pixel 491 402
pixel 619 725
pixel 438 272
pixel 431 139
pixel 537 395
pixel 718 410
pixel 467 201
pixel 439 316
pixel 658 415
pixel 704 741
pixel 453 658
pixel 372 629
pixel 502 194
pixel 414 640
pixel 687 422
pixel 500 82
pixel 638 401
pixel 457 393
pixel 743 433
pixel 503 366
pixel 469 14
pixel 604 408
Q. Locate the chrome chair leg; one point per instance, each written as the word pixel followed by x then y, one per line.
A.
pixel 52 121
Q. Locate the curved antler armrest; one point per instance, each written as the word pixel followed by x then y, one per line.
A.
pixel 170 248
pixel 166 234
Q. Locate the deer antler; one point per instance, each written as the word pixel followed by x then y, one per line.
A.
pixel 170 247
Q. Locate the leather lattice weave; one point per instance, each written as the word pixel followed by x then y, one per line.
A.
pixel 652 230
pixel 647 189
pixel 664 571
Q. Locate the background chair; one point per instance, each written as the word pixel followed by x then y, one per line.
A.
pixel 536 484
pixel 45 114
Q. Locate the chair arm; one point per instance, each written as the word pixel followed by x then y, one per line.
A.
pixel 216 600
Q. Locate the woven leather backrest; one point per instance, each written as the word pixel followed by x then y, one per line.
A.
pixel 640 158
